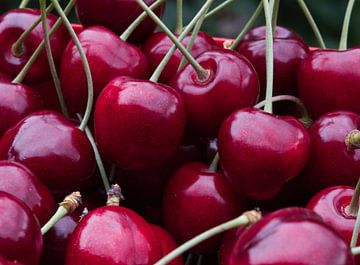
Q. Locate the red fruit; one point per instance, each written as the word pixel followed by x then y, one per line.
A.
pixel 16 102
pixel 12 24
pixel 117 15
pixel 108 57
pixel 113 235
pixel 329 81
pixel 20 235
pixel 260 151
pixel 138 124
pixel 158 44
pixel 233 84
pixel 53 148
pixel 291 236
pixel 228 242
pixel 196 199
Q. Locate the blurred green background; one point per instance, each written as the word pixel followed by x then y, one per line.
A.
pixel 328 15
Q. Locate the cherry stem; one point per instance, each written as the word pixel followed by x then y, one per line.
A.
pixel 247 26
pixel 189 259
pixel 274 14
pixel 126 34
pixel 355 251
pixel 200 260
pixel 215 163
pixel 112 172
pixel 269 58
pixel 67 206
pixel 85 62
pixel 114 196
pixel 218 8
pixel 355 233
pixel 202 73
pixel 24 3
pixel 51 59
pixel 346 24
pixel 179 17
pixel 305 117
pixel 312 23
pixel 353 207
pixel 155 76
pixel 17 48
pixel 98 159
pixel 352 140
pixel 246 218
pixel 20 77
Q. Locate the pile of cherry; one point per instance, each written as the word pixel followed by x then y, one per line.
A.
pixel 89 108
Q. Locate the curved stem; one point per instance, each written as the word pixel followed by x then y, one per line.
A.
pixel 353 207
pixel 269 59
pixel 155 76
pixel 98 159
pixel 312 23
pixel 248 25
pixel 20 77
pixel 84 61
pixel 345 28
pixel 355 251
pixel 215 163
pixel 355 233
pixel 202 73
pixel 189 259
pixel 179 16
pixel 51 59
pixel 126 34
pixel 274 14
pixel 218 8
pixel 200 260
pixel 246 218
pixel 24 3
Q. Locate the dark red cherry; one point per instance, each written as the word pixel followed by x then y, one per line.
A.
pixel 232 84
pixel 117 16
pixel 291 236
pixel 331 162
pixel 328 81
pixel 289 51
pixel 228 242
pixel 19 181
pixel 4 78
pixel 12 24
pixel 108 57
pixel 47 92
pixel 158 44
pixel 196 199
pixel 260 151
pixel 20 235
pixel 138 124
pixel 16 102
pixel 53 148
pixel 113 235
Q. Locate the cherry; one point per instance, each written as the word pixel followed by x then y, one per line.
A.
pixel 53 149
pixel 19 181
pixel 16 102
pixel 260 151
pixel 4 78
pixel 20 235
pixel 232 79
pixel 15 22
pixel 196 199
pixel 108 57
pixel 228 242
pixel 117 15
pixel 138 124
pixel 328 81
pixel 291 236
pixel 158 44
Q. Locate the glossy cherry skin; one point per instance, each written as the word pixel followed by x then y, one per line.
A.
pixel 19 181
pixel 16 102
pixel 197 199
pixel 158 44
pixel 260 151
pixel 113 235
pixel 12 24
pixel 138 124
pixel 4 78
pixel 108 57
pixel 53 148
pixel 228 242
pixel 328 81
pixel 233 84
pixel 289 51
pixel 20 235
pixel 330 162
pixel 291 236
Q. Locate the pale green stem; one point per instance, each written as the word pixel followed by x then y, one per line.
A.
pixel 274 15
pixel 200 260
pixel 51 59
pixel 355 251
pixel 189 259
pixel 269 58
pixel 346 24
pixel 126 34
pixel 312 23
pixel 353 207
pixel 60 213
pixel 355 233
pixel 84 61
pixel 248 25
pixel 218 8
pixel 215 163
pixel 24 3
pixel 179 16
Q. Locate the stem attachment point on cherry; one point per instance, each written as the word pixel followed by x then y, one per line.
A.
pixel 352 140
pixel 114 196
